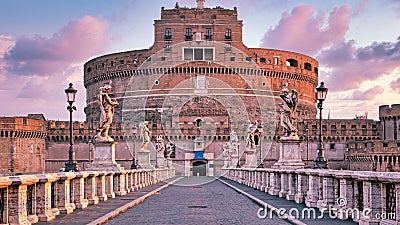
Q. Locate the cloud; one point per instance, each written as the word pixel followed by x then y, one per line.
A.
pixel 395 85
pixel 369 94
pixel 77 41
pixel 350 66
pixel 304 32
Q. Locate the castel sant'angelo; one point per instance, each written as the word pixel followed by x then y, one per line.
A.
pixel 197 84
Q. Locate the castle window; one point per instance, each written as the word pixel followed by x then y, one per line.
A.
pixel 188 34
pixel 248 59
pixel 292 63
pixel 112 63
pixel 121 62
pixel 208 36
pixel 168 34
pixel 316 70
pixel 89 69
pixel 276 60
pixel 232 58
pixel 263 60
pixel 183 17
pixel 228 34
pixel 307 66
pixel 332 146
pixel 168 46
pixel 198 54
pixel 213 17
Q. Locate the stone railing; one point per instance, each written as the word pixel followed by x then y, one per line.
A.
pixel 27 199
pixel 365 197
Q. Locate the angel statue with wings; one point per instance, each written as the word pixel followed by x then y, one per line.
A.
pixel 107 105
pixel 287 112
pixel 145 135
pixel 251 130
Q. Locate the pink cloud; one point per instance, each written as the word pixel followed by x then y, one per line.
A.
pixel 77 41
pixel 350 66
pixel 395 85
pixel 369 94
pixel 303 32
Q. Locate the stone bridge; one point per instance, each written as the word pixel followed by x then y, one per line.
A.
pixel 342 196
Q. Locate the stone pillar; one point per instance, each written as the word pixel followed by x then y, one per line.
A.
pixel 266 182
pixel 17 196
pixel 275 182
pixel 347 193
pixel 65 202
pixel 43 192
pixel 91 189
pixel 79 190
pixel 328 191
pixel 284 185
pixel 110 185
pixel 119 183
pixel 313 189
pixel 302 187
pixel 372 199
pixel 289 155
pixel 291 185
pixel 104 157
pixel 101 186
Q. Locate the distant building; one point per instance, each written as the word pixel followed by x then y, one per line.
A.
pixel 382 154
pixel 23 144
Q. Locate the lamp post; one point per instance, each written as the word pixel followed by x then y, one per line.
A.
pixel 320 162
pixel 260 130
pixel 71 164
pixel 133 165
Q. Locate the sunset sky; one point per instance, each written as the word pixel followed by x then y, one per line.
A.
pixel 44 43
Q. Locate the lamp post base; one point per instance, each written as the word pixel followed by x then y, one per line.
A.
pixel 71 166
pixel 320 163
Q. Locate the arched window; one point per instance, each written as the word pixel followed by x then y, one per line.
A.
pixel 307 66
pixel 292 63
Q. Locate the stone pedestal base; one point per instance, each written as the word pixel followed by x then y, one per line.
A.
pixel 251 159
pixel 144 159
pixel 289 155
pixel 234 160
pixel 104 157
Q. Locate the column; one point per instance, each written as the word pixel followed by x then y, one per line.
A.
pixel 91 189
pixel 101 186
pixel 291 185
pixel 302 187
pixel 313 189
pixel 64 190
pixel 79 190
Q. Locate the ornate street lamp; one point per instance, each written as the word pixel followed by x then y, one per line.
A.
pixel 320 161
pixel 260 130
pixel 71 164
pixel 133 165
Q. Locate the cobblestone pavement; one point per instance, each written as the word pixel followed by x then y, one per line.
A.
pixel 278 202
pixel 195 200
pixel 93 212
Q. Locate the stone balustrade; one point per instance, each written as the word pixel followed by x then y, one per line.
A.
pixel 362 196
pixel 28 199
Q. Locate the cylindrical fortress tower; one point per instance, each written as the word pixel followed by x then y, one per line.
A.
pixel 196 31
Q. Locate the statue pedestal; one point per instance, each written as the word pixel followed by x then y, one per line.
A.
pixel 104 157
pixel 251 159
pixel 289 155
pixel 144 159
pixel 234 160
